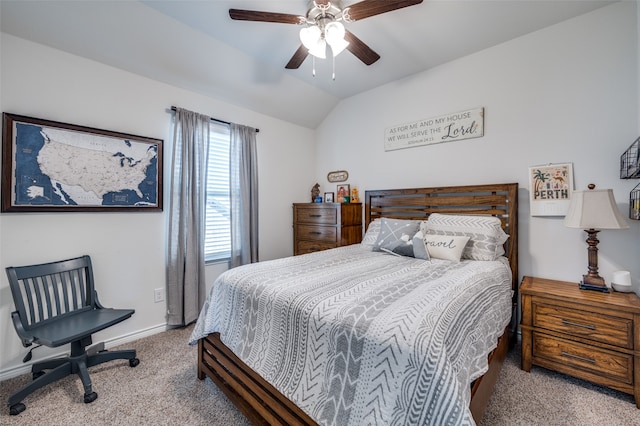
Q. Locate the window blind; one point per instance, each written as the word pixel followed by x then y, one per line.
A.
pixel 217 244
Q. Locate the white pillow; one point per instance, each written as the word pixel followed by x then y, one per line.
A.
pixel 371 235
pixel 486 236
pixel 447 247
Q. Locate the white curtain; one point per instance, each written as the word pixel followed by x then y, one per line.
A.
pixel 244 195
pixel 185 270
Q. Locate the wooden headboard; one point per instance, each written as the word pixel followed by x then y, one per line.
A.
pixel 500 200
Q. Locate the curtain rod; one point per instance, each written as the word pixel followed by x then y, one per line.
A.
pixel 173 108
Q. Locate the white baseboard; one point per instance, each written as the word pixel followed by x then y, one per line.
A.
pixel 12 372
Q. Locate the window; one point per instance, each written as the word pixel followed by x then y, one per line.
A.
pixel 217 243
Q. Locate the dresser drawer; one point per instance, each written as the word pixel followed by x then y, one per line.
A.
pixel 321 216
pixel 303 246
pixel 317 233
pixel 590 325
pixel 590 359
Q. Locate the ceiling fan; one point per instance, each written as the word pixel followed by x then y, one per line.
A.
pixel 323 25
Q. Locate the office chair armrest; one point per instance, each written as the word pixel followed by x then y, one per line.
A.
pixel 27 340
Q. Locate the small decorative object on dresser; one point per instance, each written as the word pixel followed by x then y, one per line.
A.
pixel 589 335
pixel 355 197
pixel 315 192
pixel 323 226
pixel 592 211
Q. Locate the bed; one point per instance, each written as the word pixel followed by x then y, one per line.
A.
pixel 314 344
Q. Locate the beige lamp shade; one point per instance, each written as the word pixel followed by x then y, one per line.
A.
pixel 594 209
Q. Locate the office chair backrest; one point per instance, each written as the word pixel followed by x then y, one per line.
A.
pixel 42 293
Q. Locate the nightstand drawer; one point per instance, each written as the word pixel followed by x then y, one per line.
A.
pixel 321 216
pixel 607 364
pixel 317 233
pixel 594 326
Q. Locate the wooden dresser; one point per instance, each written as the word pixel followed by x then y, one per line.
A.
pixel 586 334
pixel 321 226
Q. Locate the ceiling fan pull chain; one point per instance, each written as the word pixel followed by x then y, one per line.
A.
pixel 313 58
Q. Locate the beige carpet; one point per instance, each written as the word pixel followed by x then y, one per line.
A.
pixel 164 390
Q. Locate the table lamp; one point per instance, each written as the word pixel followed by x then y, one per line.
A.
pixel 592 211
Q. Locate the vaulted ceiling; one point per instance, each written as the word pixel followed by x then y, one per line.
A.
pixel 195 45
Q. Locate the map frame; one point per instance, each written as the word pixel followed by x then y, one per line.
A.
pixel 11 145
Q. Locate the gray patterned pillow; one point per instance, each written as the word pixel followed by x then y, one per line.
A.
pixel 485 233
pixel 419 247
pixel 395 232
pixel 373 230
pixel 414 247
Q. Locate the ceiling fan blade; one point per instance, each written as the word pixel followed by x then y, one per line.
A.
pixel 254 15
pixel 298 58
pixel 367 8
pixel 360 50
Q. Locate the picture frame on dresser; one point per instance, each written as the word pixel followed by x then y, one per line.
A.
pixel 343 191
pixel 328 197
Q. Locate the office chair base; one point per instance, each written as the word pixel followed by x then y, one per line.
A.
pixel 16 409
pixel 90 397
pixel 62 367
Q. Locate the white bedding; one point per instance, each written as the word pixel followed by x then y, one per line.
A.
pixel 356 337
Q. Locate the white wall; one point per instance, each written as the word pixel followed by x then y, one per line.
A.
pixel 128 249
pixel 568 93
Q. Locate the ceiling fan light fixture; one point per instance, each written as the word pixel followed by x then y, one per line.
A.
pixel 334 31
pixel 310 36
pixel 334 34
pixel 320 49
pixel 338 46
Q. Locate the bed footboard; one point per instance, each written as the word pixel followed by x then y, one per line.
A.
pixel 263 404
pixel 482 388
pixel 258 400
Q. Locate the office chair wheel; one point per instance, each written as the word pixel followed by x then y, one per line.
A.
pixel 133 362
pixel 16 409
pixel 38 374
pixel 90 397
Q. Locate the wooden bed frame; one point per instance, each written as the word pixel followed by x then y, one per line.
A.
pixel 263 404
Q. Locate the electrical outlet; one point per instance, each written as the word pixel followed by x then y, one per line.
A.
pixel 158 295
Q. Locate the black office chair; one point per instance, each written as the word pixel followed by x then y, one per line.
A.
pixel 56 304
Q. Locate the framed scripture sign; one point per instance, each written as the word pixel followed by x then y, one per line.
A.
pixel 456 126
pixel 550 189
pixel 49 166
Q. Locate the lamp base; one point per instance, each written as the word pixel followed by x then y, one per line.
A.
pixel 595 287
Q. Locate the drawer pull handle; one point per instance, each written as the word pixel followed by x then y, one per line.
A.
pixel 316 233
pixel 315 215
pixel 589 326
pixel 580 358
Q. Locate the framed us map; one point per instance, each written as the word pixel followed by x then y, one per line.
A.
pixel 49 166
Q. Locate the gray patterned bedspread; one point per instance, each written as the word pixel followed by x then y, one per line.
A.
pixel 356 337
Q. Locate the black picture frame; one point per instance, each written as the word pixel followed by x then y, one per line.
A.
pixel 329 197
pixel 84 170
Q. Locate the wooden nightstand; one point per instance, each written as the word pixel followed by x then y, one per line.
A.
pixel 586 334
pixel 321 226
